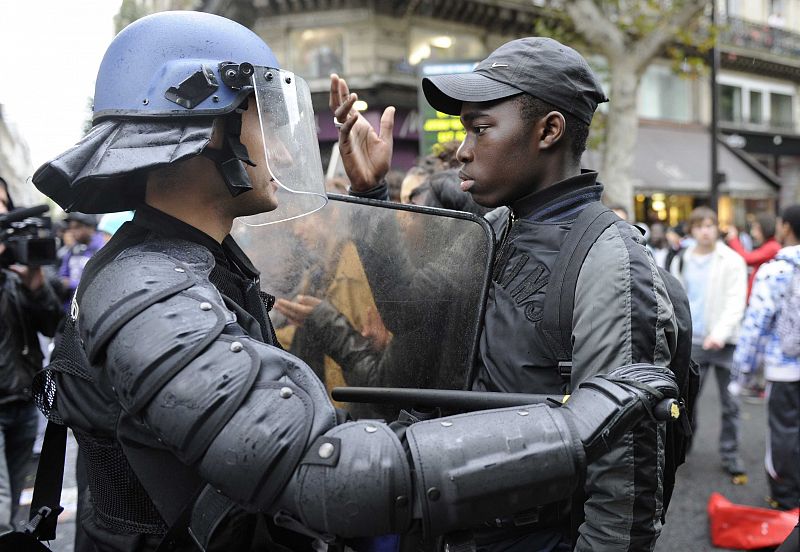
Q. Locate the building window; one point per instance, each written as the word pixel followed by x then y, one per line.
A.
pixel 317 52
pixel 734 8
pixel 781 110
pixel 429 45
pixel 663 94
pixel 730 103
pixel 756 107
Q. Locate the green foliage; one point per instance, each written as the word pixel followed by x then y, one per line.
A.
pixel 87 123
pixel 597 131
pixel 129 11
pixel 636 19
pixel 690 48
pixel 557 24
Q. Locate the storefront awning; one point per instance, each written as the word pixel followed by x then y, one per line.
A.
pixel 677 160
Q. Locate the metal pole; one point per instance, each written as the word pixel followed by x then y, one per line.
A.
pixel 714 130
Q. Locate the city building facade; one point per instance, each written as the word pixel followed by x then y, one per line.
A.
pixel 15 164
pixel 383 48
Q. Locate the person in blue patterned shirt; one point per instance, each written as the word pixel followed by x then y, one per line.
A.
pixel 759 342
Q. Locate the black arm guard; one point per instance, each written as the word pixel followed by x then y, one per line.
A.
pixel 241 411
pixel 481 465
pixel 468 468
pixel 610 405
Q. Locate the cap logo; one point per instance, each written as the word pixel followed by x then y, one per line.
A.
pixel 495 64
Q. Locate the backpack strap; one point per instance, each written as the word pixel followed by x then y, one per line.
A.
pixel 45 504
pixel 559 300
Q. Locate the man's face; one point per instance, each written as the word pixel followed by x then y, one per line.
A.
pixel 705 232
pixel 657 235
pixel 781 230
pixel 499 153
pixel 81 232
pixel 262 197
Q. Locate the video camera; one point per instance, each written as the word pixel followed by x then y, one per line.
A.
pixel 28 237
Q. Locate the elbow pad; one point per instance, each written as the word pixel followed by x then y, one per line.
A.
pixel 355 481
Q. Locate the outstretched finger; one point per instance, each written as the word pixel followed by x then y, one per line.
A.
pixel 309 301
pixel 345 110
pixel 339 91
pixel 334 100
pixel 283 306
pixel 344 90
pixel 387 125
pixel 344 131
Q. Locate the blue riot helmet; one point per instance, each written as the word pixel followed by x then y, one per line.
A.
pixel 162 83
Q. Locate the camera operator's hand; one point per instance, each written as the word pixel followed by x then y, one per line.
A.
pixel 32 276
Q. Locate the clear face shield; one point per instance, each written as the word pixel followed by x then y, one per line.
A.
pixel 290 145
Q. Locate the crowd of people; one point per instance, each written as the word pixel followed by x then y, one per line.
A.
pixel 197 427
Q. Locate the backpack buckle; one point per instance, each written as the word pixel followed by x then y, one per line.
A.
pixel 565 369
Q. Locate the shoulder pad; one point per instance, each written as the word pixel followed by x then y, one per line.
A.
pixel 138 278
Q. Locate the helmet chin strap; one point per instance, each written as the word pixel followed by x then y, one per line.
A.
pixel 230 158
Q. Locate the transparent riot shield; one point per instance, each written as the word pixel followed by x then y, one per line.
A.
pixel 377 294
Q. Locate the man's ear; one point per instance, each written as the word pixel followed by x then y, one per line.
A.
pixel 552 129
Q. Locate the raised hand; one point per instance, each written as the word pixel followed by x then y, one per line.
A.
pixel 366 154
pixel 298 310
pixel 375 331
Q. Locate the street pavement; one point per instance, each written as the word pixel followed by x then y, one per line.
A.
pixel 686 529
pixel 687 525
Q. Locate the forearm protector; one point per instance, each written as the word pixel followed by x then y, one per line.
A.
pixel 468 468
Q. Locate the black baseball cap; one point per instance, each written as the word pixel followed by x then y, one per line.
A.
pixel 539 66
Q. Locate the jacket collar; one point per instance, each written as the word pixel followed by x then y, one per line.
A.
pixel 562 195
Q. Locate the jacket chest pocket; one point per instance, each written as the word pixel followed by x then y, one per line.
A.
pixel 524 281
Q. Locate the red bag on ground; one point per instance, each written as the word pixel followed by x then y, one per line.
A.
pixel 748 527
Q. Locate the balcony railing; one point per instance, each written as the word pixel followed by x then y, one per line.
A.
pixel 760 36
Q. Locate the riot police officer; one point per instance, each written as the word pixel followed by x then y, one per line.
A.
pixel 198 429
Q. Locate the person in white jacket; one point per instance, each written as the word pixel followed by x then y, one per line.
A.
pixel 715 278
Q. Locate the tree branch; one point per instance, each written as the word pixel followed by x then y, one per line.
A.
pixel 598 31
pixel 650 45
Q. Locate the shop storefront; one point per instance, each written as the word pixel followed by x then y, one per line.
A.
pixel 672 169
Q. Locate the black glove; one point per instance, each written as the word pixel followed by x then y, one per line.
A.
pixel 605 407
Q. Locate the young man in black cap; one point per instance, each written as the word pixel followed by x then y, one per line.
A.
pixel 526 110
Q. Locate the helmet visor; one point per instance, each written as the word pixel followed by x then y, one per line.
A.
pixel 290 144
